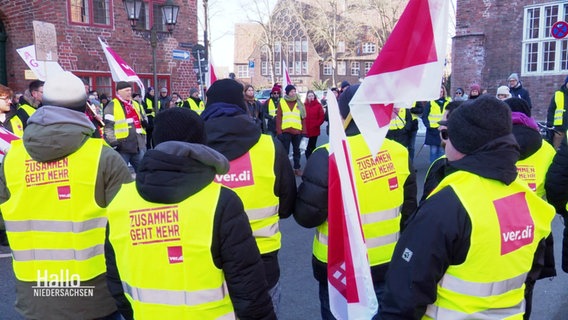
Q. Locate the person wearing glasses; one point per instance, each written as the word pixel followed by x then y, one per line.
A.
pixel 269 109
pixel 460 95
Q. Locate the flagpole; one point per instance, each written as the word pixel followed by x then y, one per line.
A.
pixel 154 44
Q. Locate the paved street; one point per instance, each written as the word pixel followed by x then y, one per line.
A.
pixel 300 297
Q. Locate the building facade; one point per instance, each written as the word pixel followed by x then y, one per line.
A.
pixel 79 24
pixel 496 38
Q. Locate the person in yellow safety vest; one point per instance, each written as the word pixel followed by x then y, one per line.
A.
pixel 193 102
pixel 400 126
pixel 148 104
pixel 489 228
pixel 55 184
pixel 260 173
pixel 557 117
pixel 30 101
pixel 269 107
pixel 177 100
pixel 290 126
pixel 125 124
pixel 180 245
pixel 386 188
pixel 433 111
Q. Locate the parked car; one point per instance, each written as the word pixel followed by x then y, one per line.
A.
pixel 262 95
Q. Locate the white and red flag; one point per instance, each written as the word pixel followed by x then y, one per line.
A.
pixel 6 138
pixel 119 69
pixel 409 68
pixel 351 292
pixel 212 76
pixel 285 76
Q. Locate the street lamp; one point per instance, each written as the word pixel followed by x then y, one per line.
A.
pixel 169 19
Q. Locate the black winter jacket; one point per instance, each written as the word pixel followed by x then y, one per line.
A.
pixel 235 135
pixel 412 285
pixel 174 171
pixel 311 203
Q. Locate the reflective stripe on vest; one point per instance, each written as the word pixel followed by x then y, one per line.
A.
pixel 514 312
pixel 28 109
pixel 435 114
pixel 173 240
pixel 257 192
pixel 532 170
pixel 121 123
pixel 290 118
pixel 150 107
pixel 52 218
pixel 560 109
pixel 17 126
pixel 271 107
pixel 399 120
pixel 380 218
pixel 197 108
pixel 507 224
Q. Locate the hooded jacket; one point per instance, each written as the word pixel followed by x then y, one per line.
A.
pixel 172 172
pixel 520 92
pixel 53 133
pixel 233 133
pixel 411 285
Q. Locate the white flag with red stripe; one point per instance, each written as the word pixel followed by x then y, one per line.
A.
pixel 285 76
pixel 409 68
pixel 351 292
pixel 6 138
pixel 119 69
pixel 212 75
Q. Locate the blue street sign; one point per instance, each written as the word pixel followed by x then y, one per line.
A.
pixel 251 64
pixel 180 54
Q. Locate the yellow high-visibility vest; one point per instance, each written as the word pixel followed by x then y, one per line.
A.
pixel 121 125
pixel 436 112
pixel 271 107
pixel 197 108
pixel 385 174
pixel 559 112
pixel 52 219
pixel 507 222
pixel 290 118
pixel 532 170
pixel 173 241
pixel 399 120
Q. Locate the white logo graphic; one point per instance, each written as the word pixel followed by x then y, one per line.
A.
pixel 62 284
pixel 407 255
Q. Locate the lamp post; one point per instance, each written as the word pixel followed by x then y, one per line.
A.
pixel 169 19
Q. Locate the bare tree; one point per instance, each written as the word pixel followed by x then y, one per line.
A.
pixel 380 16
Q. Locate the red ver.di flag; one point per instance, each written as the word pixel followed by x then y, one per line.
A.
pixel 409 68
pixel 119 69
pixel 351 292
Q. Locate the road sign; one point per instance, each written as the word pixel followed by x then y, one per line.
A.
pixel 251 64
pixel 181 54
pixel 198 52
pixel 187 45
pixel 559 29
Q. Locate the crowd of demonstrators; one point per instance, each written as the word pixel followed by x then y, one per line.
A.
pixel 177 100
pixel 314 119
pixel 433 111
pixel 433 274
pixel 460 95
pixel 269 190
pixel 269 109
pixel 254 107
pixel 194 102
pixel 557 117
pixel 290 123
pixel 163 99
pixel 211 256
pixel 29 102
pixel 400 127
pixel 381 219
pixel 125 122
pixel 46 234
pixel 517 90
pixel 148 104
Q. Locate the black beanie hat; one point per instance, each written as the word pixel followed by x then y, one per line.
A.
pixel 477 122
pixel 228 91
pixel 122 85
pixel 518 105
pixel 289 88
pixel 345 98
pixel 178 124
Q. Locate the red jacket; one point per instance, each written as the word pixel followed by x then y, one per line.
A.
pixel 314 118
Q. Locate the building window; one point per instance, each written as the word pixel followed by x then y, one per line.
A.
pixel 304 67
pixel 278 68
pixel 298 67
pixel 368 65
pixel 369 47
pixel 341 68
pixel 355 68
pixel 542 53
pixel 264 68
pixel 243 71
pixel 153 17
pixel 304 46
pixel 341 47
pixel 327 70
pixel 90 12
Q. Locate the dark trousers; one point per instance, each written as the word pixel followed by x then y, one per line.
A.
pixel 294 139
pixel 312 141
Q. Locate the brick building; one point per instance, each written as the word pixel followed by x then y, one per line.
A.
pixel 79 24
pixel 496 38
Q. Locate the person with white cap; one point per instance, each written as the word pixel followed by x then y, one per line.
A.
pixel 517 90
pixel 163 99
pixel 54 186
pixel 503 93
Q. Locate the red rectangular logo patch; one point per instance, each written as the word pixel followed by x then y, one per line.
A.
pixel 393 183
pixel 175 254
pixel 64 192
pixel 240 173
pixel 515 221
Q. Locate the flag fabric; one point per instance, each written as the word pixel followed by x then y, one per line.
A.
pixel 119 69
pixel 351 292
pixel 6 138
pixel 212 75
pixel 285 76
pixel 39 68
pixel 409 68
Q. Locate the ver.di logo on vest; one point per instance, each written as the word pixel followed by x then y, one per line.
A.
pixel 515 222
pixel 240 173
pixel 62 284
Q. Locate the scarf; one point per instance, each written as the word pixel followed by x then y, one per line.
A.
pixel 299 103
pixel 131 113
